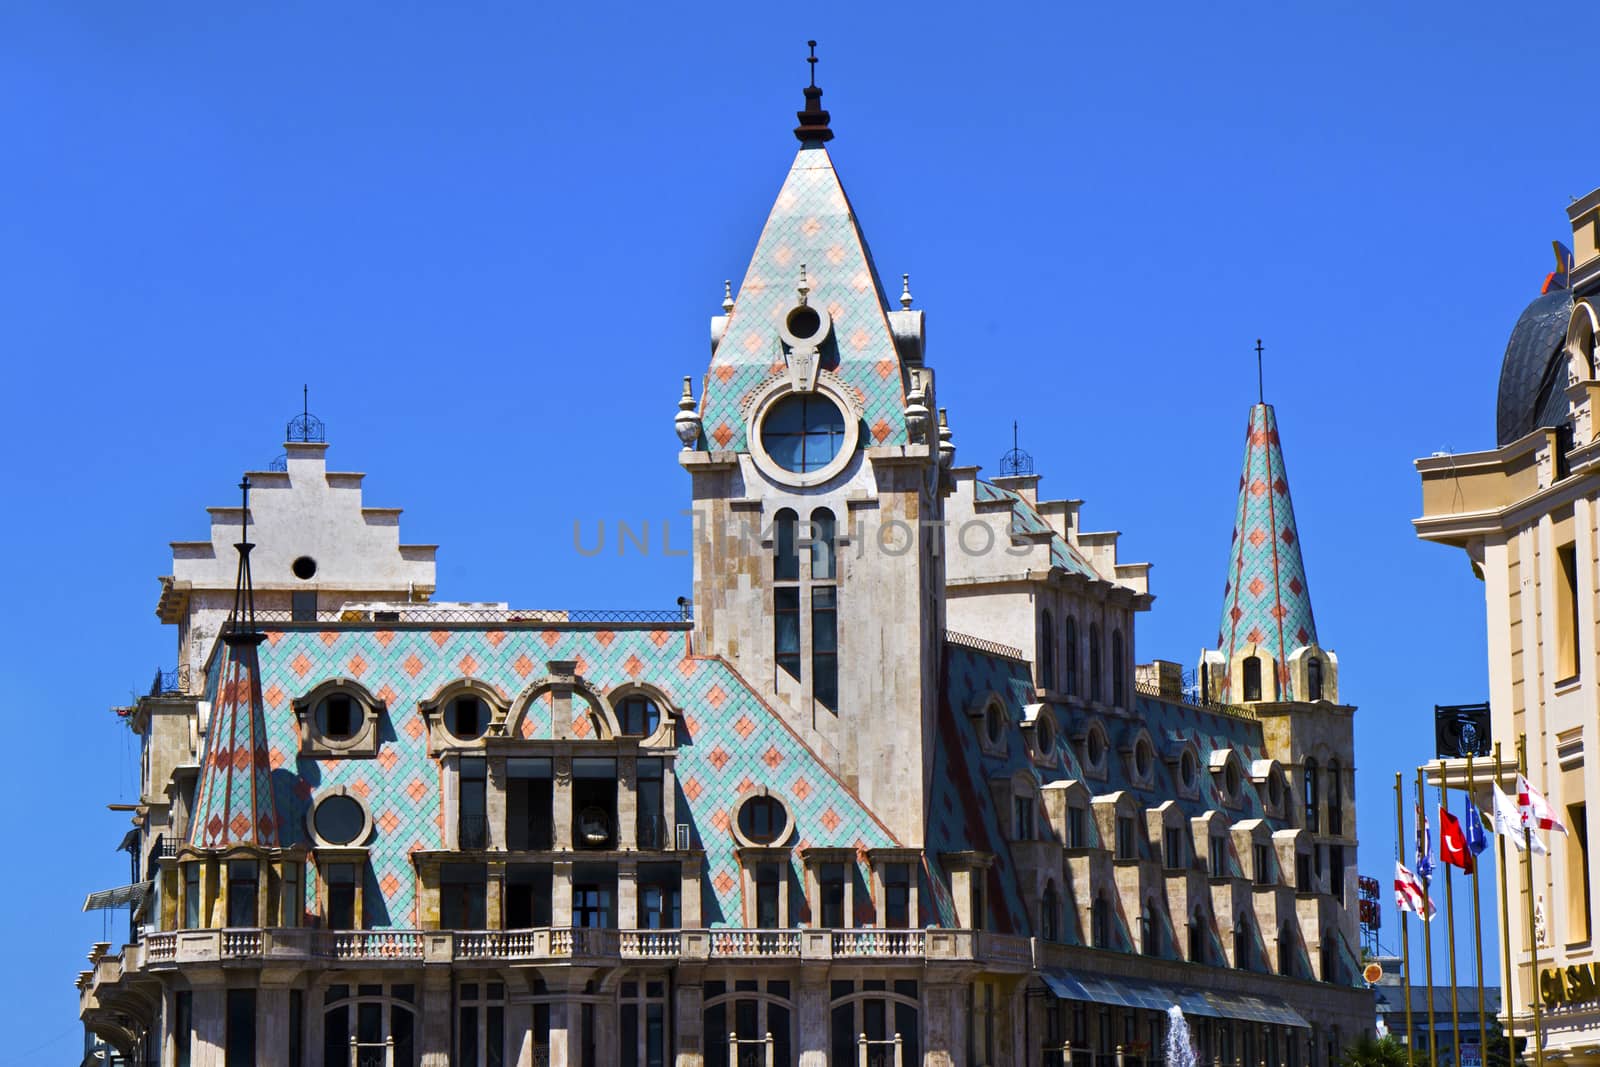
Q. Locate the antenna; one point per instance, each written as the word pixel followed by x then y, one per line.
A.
pixel 1015 463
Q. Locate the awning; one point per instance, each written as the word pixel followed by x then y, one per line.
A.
pixel 114 898
pixel 1147 995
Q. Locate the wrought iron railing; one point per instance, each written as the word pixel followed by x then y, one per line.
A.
pixel 167 682
pixel 1193 700
pixel 993 648
pixel 424 614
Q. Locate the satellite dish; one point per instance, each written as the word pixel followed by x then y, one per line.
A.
pixel 1372 972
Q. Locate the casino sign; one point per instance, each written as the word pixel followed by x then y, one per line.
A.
pixel 1575 984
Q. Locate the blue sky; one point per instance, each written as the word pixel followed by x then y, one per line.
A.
pixel 490 237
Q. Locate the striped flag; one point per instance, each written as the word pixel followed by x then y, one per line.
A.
pixel 1535 809
pixel 1409 895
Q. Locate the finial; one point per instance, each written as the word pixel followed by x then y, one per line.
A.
pixel 1261 392
pixel 306 427
pixel 905 292
pixel 244 509
pixel 804 287
pixel 687 421
pixel 727 297
pixel 947 444
pixel 241 625
pixel 813 128
pixel 1016 462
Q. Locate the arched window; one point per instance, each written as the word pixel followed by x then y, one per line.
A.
pixel 1119 693
pixel 1252 678
pixel 1094 662
pixel 1313 803
pixel 1050 914
pixel 1335 798
pixel 822 545
pixel 1047 651
pixel 1198 937
pixel 786 555
pixel 1286 949
pixel 1071 637
pixel 1314 678
pixel 1241 942
pixel 1100 923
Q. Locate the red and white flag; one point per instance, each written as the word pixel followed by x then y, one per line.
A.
pixel 1409 894
pixel 1453 842
pixel 1535 809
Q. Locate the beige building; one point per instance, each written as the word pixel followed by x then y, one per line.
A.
pixel 893 790
pixel 1528 516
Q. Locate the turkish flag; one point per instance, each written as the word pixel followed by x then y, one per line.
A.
pixel 1453 842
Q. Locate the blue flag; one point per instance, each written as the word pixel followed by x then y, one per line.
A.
pixel 1424 864
pixel 1477 840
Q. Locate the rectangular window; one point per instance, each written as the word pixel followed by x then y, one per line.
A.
pixel 530 804
pixel 191 896
pixel 297 1027
pixel 660 890
pixel 1174 849
pixel 1263 863
pixel 1566 605
pixel 1336 870
pixel 291 896
pixel 527 900
pixel 1578 926
pixel 242 881
pixel 472 809
pixel 768 884
pixel 1077 828
pixel 183 1026
pixel 1127 844
pixel 342 897
pixel 594 896
pixel 830 887
pixel 463 895
pixel 652 813
pixel 1302 871
pixel 303 605
pixel 241 1039
pixel 786 629
pixel 1219 856
pixel 825 646
pixel 897 896
pixel 1023 823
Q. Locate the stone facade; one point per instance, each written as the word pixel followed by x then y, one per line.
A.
pixel 894 790
pixel 1527 514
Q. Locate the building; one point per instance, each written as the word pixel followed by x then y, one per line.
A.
pixel 1526 514
pixel 892 791
pixel 1391 993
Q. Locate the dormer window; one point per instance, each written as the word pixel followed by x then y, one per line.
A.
pixel 1094 750
pixel 763 820
pixel 1023 826
pixel 638 716
pixel 1077 826
pixel 1314 678
pixel 1188 771
pixel 338 718
pixel 1127 838
pixel 1144 759
pixel 467 717
pixel 994 723
pixel 1252 678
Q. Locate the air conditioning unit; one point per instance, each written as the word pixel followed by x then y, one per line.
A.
pixel 683 837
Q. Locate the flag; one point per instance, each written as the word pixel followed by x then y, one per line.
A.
pixel 1508 821
pixel 1424 848
pixel 1409 895
pixel 1536 810
pixel 1453 842
pixel 1473 824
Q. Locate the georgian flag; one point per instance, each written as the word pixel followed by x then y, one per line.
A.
pixel 1535 809
pixel 1508 822
pixel 1409 894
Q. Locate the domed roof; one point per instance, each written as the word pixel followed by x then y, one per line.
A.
pixel 1533 374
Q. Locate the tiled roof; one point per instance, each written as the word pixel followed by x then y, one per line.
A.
pixel 1266 600
pixel 730 742
pixel 812 224
pixel 234 804
pixel 1025 519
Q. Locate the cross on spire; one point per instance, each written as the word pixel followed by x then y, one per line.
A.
pixel 813 128
pixel 1261 392
pixel 813 61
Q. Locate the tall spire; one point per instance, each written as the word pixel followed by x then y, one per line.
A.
pixel 1267 601
pixel 234 803
pixel 813 128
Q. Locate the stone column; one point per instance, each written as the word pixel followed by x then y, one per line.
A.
pixel 434 1040
pixel 689 900
pixel 495 809
pixel 627 802
pixel 561 803
pixel 169 1035
pixel 272 1022
pixel 812 1020
pixel 210 1026
pixel 519 1027
pixel 688 1020
pixel 669 803
pixel 944 1025
pixel 560 895
pixel 607 1030
pixel 428 895
pixel 493 915
pixel 450 800
pixel 628 894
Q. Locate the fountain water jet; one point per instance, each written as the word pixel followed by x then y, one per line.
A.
pixel 1180 1047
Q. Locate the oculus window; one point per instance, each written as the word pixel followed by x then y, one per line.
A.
pixel 804 432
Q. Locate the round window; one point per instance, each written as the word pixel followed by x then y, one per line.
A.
pixel 762 820
pixel 1230 779
pixel 467 717
pixel 1142 759
pixel 994 723
pixel 638 716
pixel 1047 733
pixel 1188 768
pixel 304 568
pixel 804 323
pixel 803 432
pixel 340 819
pixel 1275 791
pixel 1096 748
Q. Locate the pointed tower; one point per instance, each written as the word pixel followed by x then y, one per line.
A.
pixel 233 869
pixel 816 483
pixel 1267 642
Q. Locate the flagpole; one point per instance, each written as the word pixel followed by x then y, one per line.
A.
pixel 1506 1007
pixel 1427 933
pixel 1450 917
pixel 1477 921
pixel 1405 938
pixel 1533 936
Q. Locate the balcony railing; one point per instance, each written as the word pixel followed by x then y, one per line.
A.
pixel 746 944
pixel 860 943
